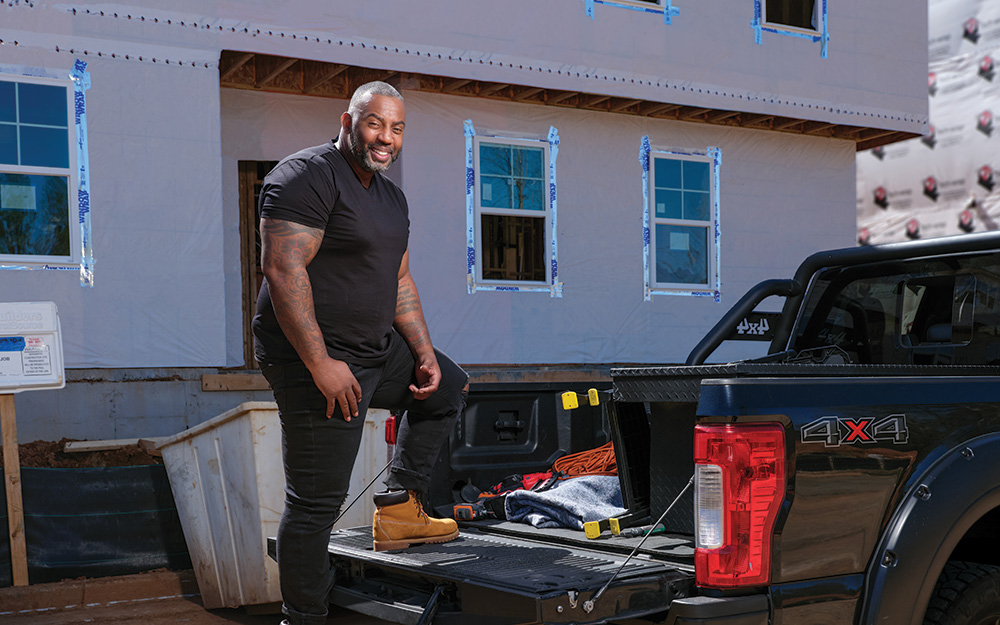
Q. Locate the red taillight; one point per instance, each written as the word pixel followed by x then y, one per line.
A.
pixel 390 429
pixel 739 488
pixel 391 424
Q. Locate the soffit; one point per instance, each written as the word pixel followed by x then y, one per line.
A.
pixel 265 72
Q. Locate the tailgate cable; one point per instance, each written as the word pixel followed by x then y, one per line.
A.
pixel 365 490
pixel 588 606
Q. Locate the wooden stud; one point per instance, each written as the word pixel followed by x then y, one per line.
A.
pixel 12 482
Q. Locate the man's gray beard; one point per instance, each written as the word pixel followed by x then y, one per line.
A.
pixel 360 153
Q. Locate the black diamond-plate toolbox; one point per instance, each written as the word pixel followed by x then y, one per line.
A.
pixel 677 383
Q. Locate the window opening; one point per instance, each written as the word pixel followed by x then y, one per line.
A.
pixel 35 173
pixel 680 221
pixel 796 13
pixel 511 212
pixel 251 180
pixel 797 18
pixel 44 187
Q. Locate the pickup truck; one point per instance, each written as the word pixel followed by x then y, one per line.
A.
pixel 850 475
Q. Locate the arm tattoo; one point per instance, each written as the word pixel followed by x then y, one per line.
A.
pixel 286 250
pixel 410 316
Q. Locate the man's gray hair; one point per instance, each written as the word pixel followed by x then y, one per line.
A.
pixel 376 87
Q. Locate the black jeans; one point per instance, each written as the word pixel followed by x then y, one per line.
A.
pixel 319 454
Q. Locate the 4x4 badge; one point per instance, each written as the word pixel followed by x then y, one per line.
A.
pixel 836 431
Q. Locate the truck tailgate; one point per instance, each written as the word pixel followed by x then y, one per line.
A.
pixel 502 578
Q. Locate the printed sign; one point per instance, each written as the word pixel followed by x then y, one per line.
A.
pixel 30 347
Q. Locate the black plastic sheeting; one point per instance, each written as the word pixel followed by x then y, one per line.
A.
pixel 95 522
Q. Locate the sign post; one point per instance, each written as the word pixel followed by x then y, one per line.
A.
pixel 30 359
pixel 12 482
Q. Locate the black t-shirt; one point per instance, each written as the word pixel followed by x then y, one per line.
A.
pixel 354 275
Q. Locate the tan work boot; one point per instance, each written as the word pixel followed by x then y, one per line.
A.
pixel 400 521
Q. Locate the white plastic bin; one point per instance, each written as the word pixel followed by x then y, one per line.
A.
pixel 228 483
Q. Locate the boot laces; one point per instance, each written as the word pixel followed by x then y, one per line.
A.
pixel 420 509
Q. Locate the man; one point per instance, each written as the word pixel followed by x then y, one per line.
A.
pixel 339 328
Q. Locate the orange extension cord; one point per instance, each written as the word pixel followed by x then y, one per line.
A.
pixel 598 461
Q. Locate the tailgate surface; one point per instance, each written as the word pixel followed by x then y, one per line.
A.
pixel 504 561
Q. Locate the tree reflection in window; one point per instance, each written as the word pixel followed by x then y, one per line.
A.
pixel 34 215
pixel 511 178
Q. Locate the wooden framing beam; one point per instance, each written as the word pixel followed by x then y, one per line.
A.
pixel 594 101
pixel 336 70
pixel 753 120
pixel 454 85
pixel 527 93
pixel 274 73
pixel 486 89
pixel 816 127
pixel 720 116
pixel 621 106
pixel 688 113
pixel 240 62
pixel 787 123
pixel 561 97
pixel 313 75
pixel 659 109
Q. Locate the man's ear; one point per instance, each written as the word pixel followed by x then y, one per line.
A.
pixel 345 122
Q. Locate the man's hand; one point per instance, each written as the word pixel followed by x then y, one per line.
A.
pixel 428 378
pixel 335 380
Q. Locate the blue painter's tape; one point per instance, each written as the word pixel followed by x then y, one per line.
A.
pixel 81 82
pixel 553 139
pixel 84 199
pixel 644 150
pixel 756 22
pixel 470 208
pixel 669 12
pixel 826 32
pixel 716 155
pixel 11 343
pixel 38 267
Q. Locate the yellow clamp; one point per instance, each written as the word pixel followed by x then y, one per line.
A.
pixel 592 529
pixel 615 526
pixel 570 399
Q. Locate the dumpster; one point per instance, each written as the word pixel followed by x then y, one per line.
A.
pixel 228 483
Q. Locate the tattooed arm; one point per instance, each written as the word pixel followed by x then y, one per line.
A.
pixel 286 250
pixel 411 325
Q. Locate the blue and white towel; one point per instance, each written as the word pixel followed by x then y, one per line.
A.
pixel 570 503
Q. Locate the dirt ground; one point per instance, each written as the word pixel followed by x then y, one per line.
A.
pixel 51 454
pixel 153 598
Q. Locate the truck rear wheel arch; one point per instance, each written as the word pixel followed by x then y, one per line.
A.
pixel 954 495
